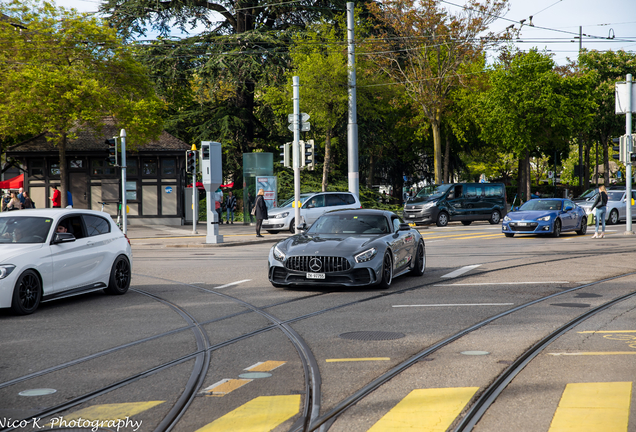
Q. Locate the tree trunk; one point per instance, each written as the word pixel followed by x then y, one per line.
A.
pixel 327 163
pixel 62 151
pixel 606 171
pixel 437 148
pixel 447 161
pixel 520 178
pixel 528 175
pixel 371 173
pixel 586 170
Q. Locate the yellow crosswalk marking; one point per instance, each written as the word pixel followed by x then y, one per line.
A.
pixel 593 407
pixel 224 387
pixel 426 410
pixel 261 414
pixel 112 411
pixel 265 366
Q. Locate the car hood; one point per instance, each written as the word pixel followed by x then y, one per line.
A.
pixel 325 244
pixel 530 214
pixel 278 210
pixel 420 201
pixel 8 251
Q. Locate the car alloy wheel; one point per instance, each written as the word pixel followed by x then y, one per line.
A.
pixel 583 229
pixel 27 293
pixel 442 219
pixel 387 271
pixel 557 228
pixel 420 261
pixel 613 217
pixel 119 276
pixel 495 217
pixel 292 226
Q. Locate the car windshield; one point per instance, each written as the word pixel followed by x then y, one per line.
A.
pixel 289 202
pixel 433 191
pixel 539 204
pixel 587 194
pixel 24 229
pixel 350 224
pixel 615 195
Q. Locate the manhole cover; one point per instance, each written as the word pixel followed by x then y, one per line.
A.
pixel 372 335
pixel 574 305
pixel 587 295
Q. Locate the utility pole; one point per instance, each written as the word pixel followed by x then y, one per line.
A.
pixel 628 165
pixel 296 149
pixel 580 137
pixel 352 126
pixel 124 205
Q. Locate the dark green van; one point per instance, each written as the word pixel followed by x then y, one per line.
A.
pixel 465 202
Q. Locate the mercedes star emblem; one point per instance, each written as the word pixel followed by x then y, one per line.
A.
pixel 315 265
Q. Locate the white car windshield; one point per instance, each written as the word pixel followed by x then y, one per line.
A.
pixel 539 204
pixel 350 224
pixel 289 202
pixel 615 195
pixel 24 229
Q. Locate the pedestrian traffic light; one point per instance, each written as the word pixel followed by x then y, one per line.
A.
pixel 191 157
pixel 285 155
pixel 112 150
pixel 620 148
pixel 309 155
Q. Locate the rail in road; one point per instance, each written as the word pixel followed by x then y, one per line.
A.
pixel 309 418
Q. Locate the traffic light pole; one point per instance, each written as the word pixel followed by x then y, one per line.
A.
pixel 628 165
pixel 124 205
pixel 195 201
pixel 296 150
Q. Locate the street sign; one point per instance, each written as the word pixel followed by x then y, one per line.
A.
pixel 304 127
pixel 550 174
pixel 303 117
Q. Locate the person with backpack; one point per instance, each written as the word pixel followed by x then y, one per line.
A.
pixel 600 204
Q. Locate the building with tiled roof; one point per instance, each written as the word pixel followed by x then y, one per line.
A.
pixel 155 174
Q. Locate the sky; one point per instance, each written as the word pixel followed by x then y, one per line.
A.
pixel 556 24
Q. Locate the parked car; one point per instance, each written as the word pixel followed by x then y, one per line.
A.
pixel 50 254
pixel 465 202
pixel 313 205
pixel 349 247
pixel 545 216
pixel 616 205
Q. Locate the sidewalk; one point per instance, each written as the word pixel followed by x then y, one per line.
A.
pixel 177 236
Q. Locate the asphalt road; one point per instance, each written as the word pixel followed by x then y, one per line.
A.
pixel 202 341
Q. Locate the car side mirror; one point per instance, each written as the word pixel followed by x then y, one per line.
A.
pixel 515 208
pixel 404 227
pixel 303 227
pixel 310 206
pixel 568 208
pixel 63 238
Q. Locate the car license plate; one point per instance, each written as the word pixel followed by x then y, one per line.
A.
pixel 315 275
pixel 522 223
pixel 411 216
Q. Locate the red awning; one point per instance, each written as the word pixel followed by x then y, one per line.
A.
pixel 14 183
pixel 200 185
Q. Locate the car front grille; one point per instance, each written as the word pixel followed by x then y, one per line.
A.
pixel 317 264
pixel 530 227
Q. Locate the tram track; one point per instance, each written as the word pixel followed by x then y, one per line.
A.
pixel 310 420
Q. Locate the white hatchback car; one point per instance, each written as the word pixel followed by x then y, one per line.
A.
pixel 50 254
pixel 313 205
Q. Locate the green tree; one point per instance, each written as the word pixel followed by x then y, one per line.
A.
pixel 61 71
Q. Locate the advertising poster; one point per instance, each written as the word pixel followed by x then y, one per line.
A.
pixel 269 186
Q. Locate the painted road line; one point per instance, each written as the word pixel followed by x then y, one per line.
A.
pixel 608 331
pixel 426 410
pixel 261 414
pixel 449 236
pixel 480 236
pixel 593 407
pixel 434 241
pixel 357 359
pixel 232 283
pixel 461 271
pixel 500 283
pixel 105 412
pixel 225 386
pixel 455 304
pixel 266 366
pixel 594 353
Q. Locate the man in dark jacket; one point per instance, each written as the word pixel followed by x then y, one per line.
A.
pixel 260 211
pixel 230 205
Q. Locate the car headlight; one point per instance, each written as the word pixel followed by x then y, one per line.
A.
pixel 281 215
pixel 506 218
pixel 544 218
pixel 367 255
pixel 278 254
pixel 5 270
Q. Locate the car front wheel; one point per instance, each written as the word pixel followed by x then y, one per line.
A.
pixel 387 271
pixel 557 228
pixel 119 276
pixel 583 228
pixel 442 219
pixel 27 293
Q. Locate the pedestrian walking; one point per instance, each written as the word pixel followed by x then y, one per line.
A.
pixel 260 211
pixel 14 202
pixel 69 199
pixel 28 203
pixel 230 206
pixel 600 204
pixel 56 199
pixel 20 196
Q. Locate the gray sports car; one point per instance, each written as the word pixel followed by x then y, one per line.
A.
pixel 351 248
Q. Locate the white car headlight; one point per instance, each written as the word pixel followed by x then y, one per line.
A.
pixel 544 218
pixel 367 255
pixel 506 218
pixel 278 254
pixel 5 270
pixel 281 215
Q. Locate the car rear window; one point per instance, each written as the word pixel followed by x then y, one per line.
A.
pixel 96 225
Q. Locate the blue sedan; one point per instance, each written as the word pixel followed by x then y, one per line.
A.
pixel 545 216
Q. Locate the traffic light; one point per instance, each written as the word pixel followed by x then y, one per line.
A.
pixel 620 148
pixel 285 155
pixel 112 150
pixel 307 154
pixel 191 157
